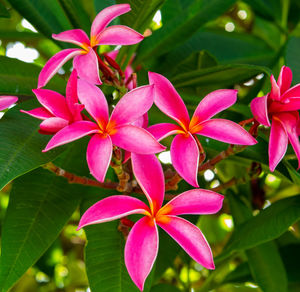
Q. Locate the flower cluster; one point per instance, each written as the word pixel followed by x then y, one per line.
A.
pixel 85 111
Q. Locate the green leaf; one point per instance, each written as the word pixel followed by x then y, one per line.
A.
pixel 267 267
pixel 270 9
pixel 222 75
pixel 269 224
pixel 46 16
pixel 264 260
pixel 40 205
pixel 19 78
pixel 293 58
pixel 182 27
pixel 164 288
pixel 101 4
pixel 104 256
pixel 141 14
pixel 77 14
pixel 21 145
pixel 3 11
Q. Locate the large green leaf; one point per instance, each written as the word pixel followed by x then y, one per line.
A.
pixel 264 260
pixel 104 255
pixel 293 58
pixel 141 14
pixel 40 205
pixel 46 16
pixel 182 27
pixel 19 78
pixel 269 224
pixel 3 11
pixel 222 75
pixel 20 144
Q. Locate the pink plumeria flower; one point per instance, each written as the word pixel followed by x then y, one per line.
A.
pixel 85 59
pixel 106 132
pixel 142 243
pixel 281 106
pixel 6 101
pixel 57 111
pixel 128 70
pixel 185 152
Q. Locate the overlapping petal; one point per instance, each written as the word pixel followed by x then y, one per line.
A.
pixel 133 105
pixel 55 63
pixel 54 102
pixel 72 97
pixel 163 130
pixel 226 131
pixel 278 143
pixel 212 104
pixel 141 250
pixel 71 133
pixel 189 237
pixel 285 79
pixel 39 113
pixel 195 201
pixel 98 155
pixel 292 105
pixel 53 124
pixel 275 90
pixel 136 140
pixel 112 208
pixel 291 93
pixel 74 36
pixel 150 176
pixel 105 16
pixel 168 100
pixel 6 101
pixel 185 157
pixel 94 101
pixel 87 67
pixel 259 108
pixel 119 35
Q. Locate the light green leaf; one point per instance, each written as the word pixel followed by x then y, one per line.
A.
pixel 46 16
pixel 182 27
pixel 21 145
pixel 40 205
pixel 19 78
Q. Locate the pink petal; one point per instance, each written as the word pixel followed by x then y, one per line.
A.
pixel 141 250
pixel 7 101
pixel 55 63
pixel 168 100
pixel 290 121
pixel 149 174
pixel 74 36
pixel 113 54
pixel 259 108
pixel 112 208
pixel 98 155
pixel 71 133
pixel 291 93
pixel 285 79
pixel 195 201
pixel 185 157
pixel 105 16
pixel 275 90
pixel 190 238
pixel 142 121
pixel 163 130
pixel 292 105
pixel 119 35
pixel 277 144
pixel 133 105
pixel 53 125
pixel 87 67
pixel 226 131
pixel 54 102
pixel 94 101
pixel 39 113
pixel 136 140
pixel 72 98
pixel 212 104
